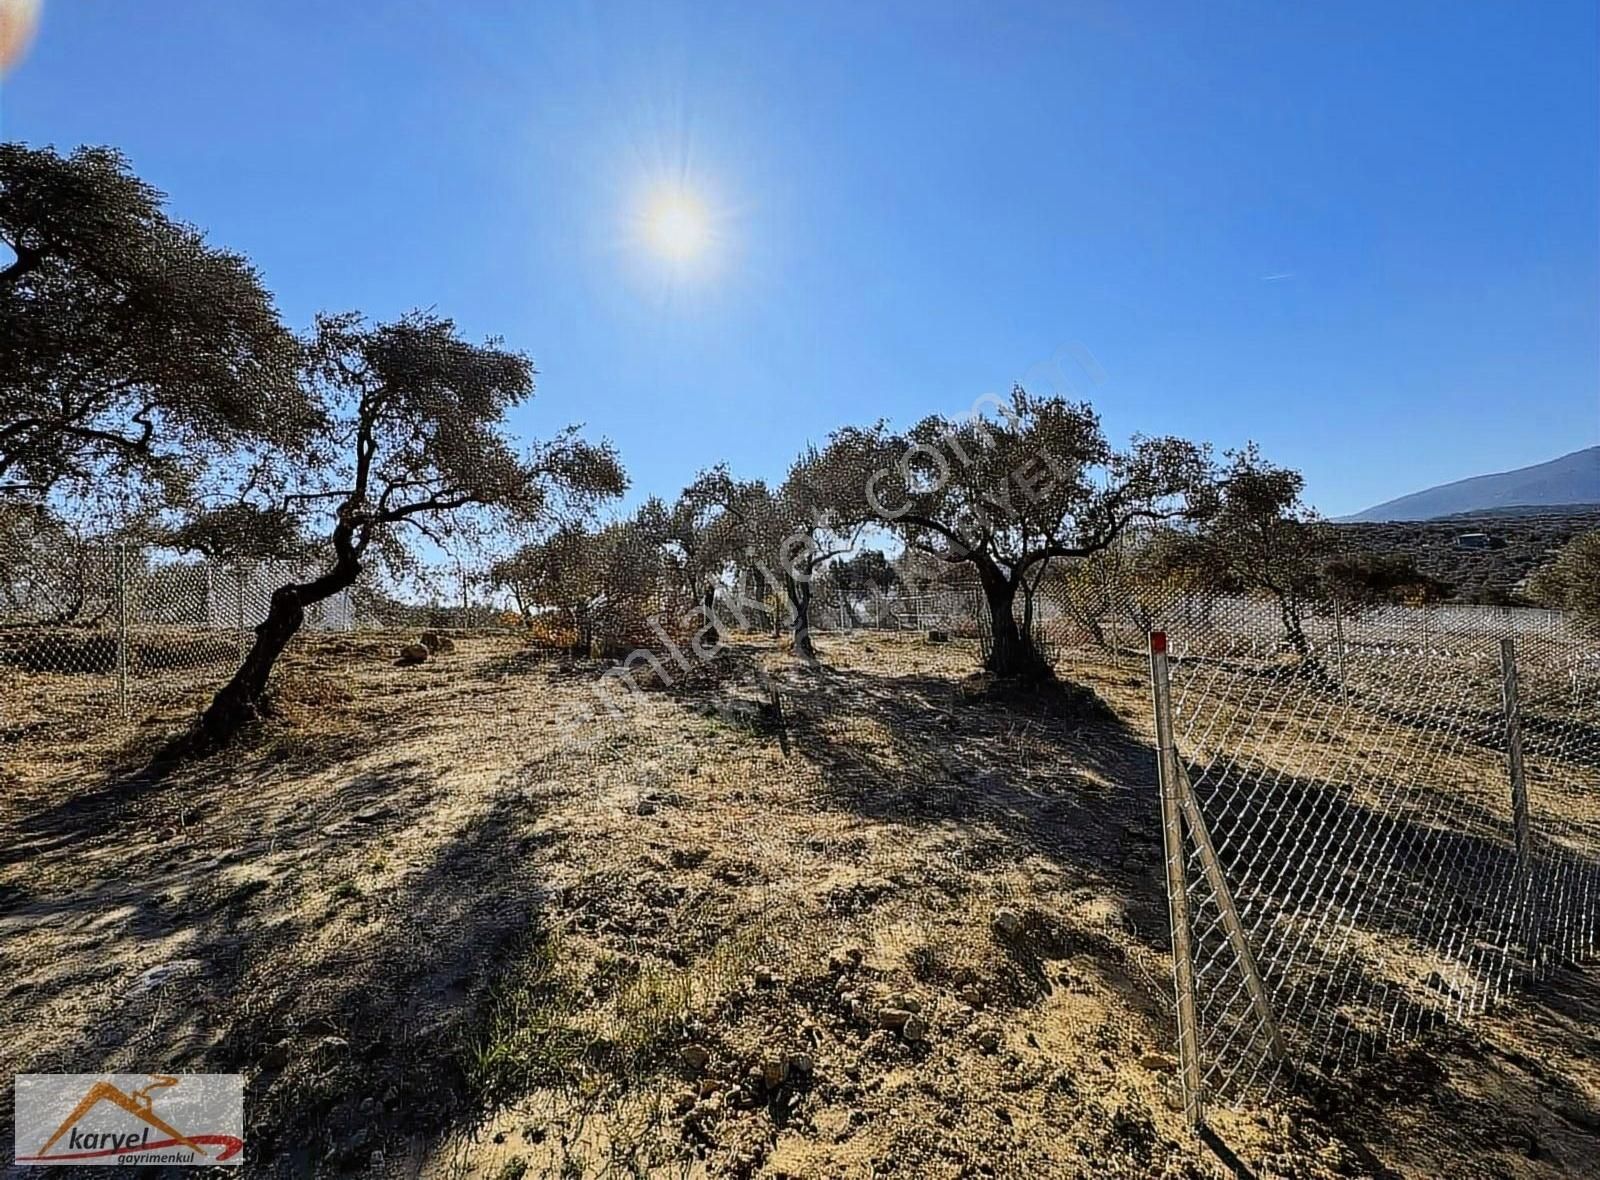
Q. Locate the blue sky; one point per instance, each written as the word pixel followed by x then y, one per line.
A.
pixel 1365 235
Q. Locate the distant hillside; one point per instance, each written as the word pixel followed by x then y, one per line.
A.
pixel 1520 541
pixel 1570 480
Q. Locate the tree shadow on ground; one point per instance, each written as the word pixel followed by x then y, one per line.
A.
pixel 350 1014
pixel 1428 911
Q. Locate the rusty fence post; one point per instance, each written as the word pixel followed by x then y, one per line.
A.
pixel 1177 885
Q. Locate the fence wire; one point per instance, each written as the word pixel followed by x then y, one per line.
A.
pixel 107 633
pixel 1354 772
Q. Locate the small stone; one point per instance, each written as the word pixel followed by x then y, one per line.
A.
pixel 707 1108
pixel 893 1018
pixel 989 1040
pixel 964 976
pixel 1158 1063
pixel 1007 922
pixel 436 643
pixel 765 977
pixel 646 807
pixel 972 995
pixel 162 974
pixel 413 653
pixel 774 1071
pixel 1439 984
pixel 915 1028
pixel 696 1057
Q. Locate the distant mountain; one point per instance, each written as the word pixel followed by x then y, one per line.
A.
pixel 1569 481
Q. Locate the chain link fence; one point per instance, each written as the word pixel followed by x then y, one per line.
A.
pixel 1376 820
pixel 954 610
pixel 1379 818
pixel 111 631
pixel 107 633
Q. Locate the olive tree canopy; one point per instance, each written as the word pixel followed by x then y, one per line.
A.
pixel 1572 581
pixel 414 444
pixel 1007 494
pixel 131 351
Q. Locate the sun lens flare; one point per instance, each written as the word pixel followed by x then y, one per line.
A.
pixel 676 224
pixel 19 19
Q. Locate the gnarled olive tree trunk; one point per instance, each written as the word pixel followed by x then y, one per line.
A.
pixel 799 590
pixel 239 702
pixel 1012 653
pixel 708 613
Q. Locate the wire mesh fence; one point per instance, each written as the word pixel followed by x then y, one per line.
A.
pixel 106 633
pixel 112 630
pixel 955 610
pixel 1377 820
pixel 1382 816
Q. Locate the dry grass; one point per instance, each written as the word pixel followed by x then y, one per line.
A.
pixel 446 929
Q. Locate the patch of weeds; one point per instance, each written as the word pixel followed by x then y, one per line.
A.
pixel 513 1169
pixel 531 1036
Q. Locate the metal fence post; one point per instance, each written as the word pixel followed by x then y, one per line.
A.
pixel 1338 636
pixel 1177 885
pixel 122 629
pixel 1232 925
pixel 240 581
pixel 1519 798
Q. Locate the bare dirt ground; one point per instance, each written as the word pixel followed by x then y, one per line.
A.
pixel 445 930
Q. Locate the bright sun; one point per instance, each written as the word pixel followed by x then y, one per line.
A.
pixel 676 225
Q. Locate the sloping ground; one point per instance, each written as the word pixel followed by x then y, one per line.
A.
pixel 445 928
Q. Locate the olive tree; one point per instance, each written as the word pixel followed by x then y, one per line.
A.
pixel 796 529
pixel 51 574
pixel 1370 579
pixel 605 582
pixel 1257 536
pixel 702 532
pixel 412 442
pixel 1007 494
pixel 867 576
pixel 1571 582
pixel 132 352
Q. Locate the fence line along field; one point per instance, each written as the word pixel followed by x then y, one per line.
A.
pixel 909 920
